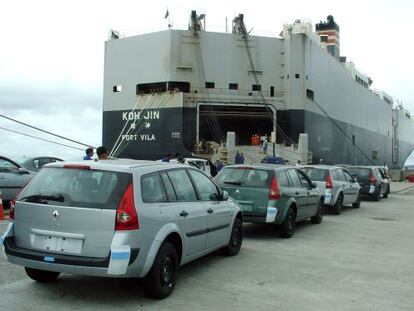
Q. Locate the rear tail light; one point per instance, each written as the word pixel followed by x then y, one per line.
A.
pixel 11 211
pixel 13 202
pixel 371 178
pixel 126 214
pixel 329 182
pixel 274 193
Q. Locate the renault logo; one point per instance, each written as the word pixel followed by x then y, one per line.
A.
pixel 55 214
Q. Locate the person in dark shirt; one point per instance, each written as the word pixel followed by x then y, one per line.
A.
pixel 167 158
pixel 89 154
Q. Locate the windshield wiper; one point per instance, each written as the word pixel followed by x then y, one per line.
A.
pixel 237 183
pixel 33 197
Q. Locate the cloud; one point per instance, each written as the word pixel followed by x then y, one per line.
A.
pixel 70 112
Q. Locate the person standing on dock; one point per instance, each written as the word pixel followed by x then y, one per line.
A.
pixel 102 153
pixel 89 154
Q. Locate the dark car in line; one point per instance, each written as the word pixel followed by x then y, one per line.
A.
pixel 274 194
pixel 13 177
pixel 34 164
pixel 373 183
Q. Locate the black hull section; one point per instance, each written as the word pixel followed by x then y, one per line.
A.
pixel 328 142
pixel 170 132
pixel 175 131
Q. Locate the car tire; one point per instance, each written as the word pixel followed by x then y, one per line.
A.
pixel 385 195
pixel 41 275
pixel 337 208
pixel 236 239
pixel 160 280
pixel 357 204
pixel 317 219
pixel 377 195
pixel 287 228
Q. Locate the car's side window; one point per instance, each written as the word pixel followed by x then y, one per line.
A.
pixel 168 187
pixel 7 166
pixel 303 179
pixel 182 185
pixel 294 178
pixel 36 163
pixel 207 190
pixel 152 188
pixel 337 175
pixel 341 175
pixel 282 179
pixel 348 176
pixel 379 177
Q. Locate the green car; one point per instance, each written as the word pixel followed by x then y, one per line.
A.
pixel 275 194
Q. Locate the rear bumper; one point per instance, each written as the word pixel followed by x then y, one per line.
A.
pixel 58 262
pixel 271 216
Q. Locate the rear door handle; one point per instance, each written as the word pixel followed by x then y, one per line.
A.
pixel 210 210
pixel 297 193
pixel 183 214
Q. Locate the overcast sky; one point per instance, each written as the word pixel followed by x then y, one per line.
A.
pixel 51 54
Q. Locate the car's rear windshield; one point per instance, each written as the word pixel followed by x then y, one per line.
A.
pixel 76 188
pixel 245 177
pixel 359 171
pixel 316 174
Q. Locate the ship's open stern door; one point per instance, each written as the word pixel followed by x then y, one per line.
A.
pixel 244 120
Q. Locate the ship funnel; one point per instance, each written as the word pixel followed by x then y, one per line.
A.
pixel 329 35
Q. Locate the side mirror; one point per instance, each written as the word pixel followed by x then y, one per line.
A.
pixel 22 171
pixel 313 185
pixel 225 196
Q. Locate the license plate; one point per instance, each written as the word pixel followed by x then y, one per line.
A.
pixel 57 244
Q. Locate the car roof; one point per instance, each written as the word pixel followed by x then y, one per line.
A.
pixel 196 159
pixel 124 165
pixel 322 166
pixel 267 166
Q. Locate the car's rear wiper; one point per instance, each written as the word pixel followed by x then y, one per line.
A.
pixel 238 183
pixel 34 197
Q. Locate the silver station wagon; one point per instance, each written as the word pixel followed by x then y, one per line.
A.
pixel 120 218
pixel 337 185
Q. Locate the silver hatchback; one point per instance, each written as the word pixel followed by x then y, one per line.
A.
pixel 337 185
pixel 120 218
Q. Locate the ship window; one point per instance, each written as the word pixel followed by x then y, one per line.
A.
pixel 310 94
pixel 374 155
pixel 179 86
pixel 233 86
pixel 324 38
pixel 297 76
pixel 117 88
pixel 256 87
pixel 353 139
pixel 288 77
pixel 209 85
pixel 272 91
pixel 149 88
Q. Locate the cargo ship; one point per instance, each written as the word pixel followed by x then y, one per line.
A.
pixel 174 90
